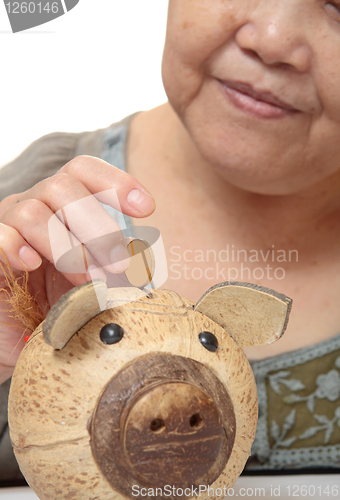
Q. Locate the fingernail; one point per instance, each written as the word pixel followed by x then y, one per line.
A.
pixel 119 258
pixel 29 257
pixel 140 201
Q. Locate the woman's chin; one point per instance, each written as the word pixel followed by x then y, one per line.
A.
pixel 260 180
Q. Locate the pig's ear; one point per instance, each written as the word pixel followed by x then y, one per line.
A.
pixel 72 311
pixel 251 314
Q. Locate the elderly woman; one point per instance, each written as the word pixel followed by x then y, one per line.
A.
pixel 243 163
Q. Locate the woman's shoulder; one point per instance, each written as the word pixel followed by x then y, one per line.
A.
pixel 46 155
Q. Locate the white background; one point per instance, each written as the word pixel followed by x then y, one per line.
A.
pixel 82 71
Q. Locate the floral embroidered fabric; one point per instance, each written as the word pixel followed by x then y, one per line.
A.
pixel 299 408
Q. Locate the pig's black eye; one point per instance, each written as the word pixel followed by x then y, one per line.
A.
pixel 209 341
pixel 111 333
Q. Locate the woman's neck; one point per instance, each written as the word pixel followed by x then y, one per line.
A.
pixel 258 217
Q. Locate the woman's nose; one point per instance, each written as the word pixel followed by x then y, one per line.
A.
pixel 274 33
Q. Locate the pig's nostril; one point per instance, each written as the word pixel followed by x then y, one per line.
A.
pixel 157 425
pixel 196 421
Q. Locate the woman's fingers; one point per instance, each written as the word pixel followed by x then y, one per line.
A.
pixel 19 254
pixel 85 218
pixel 75 194
pixel 80 213
pixel 101 177
pixel 61 218
pixel 26 224
pixel 8 202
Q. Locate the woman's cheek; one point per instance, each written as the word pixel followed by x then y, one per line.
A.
pixel 182 68
pixel 186 59
pixel 196 28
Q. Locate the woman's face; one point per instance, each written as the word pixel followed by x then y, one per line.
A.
pixel 257 85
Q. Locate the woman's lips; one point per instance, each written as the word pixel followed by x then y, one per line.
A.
pixel 260 104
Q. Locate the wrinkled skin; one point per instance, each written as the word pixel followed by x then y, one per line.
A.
pixel 290 48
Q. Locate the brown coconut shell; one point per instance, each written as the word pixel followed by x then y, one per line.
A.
pixel 54 393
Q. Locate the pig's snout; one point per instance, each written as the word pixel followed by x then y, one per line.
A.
pixel 162 420
pixel 173 432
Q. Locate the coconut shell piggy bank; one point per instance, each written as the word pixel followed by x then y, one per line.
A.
pixel 119 393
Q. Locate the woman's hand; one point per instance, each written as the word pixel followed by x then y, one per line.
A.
pixel 60 213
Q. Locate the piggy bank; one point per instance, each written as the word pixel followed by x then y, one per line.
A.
pixel 123 393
